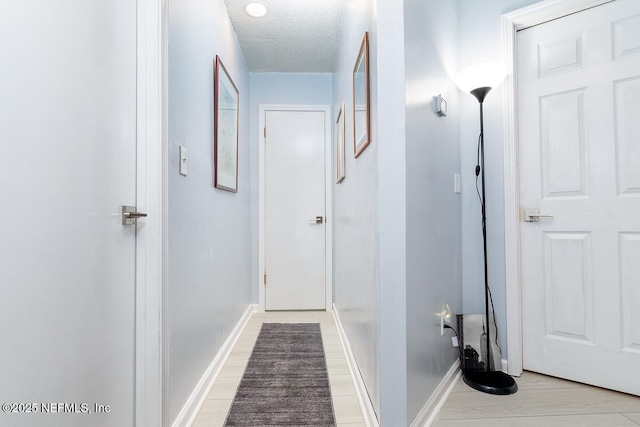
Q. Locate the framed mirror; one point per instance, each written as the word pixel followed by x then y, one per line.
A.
pixel 225 145
pixel 361 115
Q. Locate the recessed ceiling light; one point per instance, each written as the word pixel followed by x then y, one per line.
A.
pixel 255 9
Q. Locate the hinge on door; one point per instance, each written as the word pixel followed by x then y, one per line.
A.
pixel 265 132
pixel 265 279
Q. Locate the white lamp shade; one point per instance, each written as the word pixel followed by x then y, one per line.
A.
pixel 487 74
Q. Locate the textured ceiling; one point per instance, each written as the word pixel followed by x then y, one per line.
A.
pixel 295 35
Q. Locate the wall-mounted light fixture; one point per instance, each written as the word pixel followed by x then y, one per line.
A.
pixel 478 80
pixel 441 106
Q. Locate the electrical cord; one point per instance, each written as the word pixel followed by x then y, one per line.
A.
pixel 484 232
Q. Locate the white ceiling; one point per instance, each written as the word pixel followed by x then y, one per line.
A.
pixel 295 35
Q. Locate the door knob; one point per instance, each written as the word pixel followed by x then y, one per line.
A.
pixel 129 215
pixel 316 220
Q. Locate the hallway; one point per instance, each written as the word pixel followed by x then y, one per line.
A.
pixel 135 252
pixel 345 402
pixel 540 401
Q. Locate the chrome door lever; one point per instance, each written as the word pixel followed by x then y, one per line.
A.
pixel 534 215
pixel 129 215
pixel 317 220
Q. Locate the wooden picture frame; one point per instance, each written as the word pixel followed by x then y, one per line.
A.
pixel 340 146
pixel 226 114
pixel 361 102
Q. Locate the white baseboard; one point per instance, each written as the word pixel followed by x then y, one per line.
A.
pixel 191 408
pixel 429 412
pixel 505 366
pixel 369 414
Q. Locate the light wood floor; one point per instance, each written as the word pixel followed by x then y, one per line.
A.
pixel 345 403
pixel 541 401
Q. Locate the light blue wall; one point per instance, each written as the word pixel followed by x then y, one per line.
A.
pixel 390 121
pixel 397 218
pixel 480 40
pixel 356 259
pixel 370 209
pixel 281 89
pixel 289 89
pixel 434 241
pixel 209 229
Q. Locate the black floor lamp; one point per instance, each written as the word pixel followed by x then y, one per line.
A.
pixel 478 80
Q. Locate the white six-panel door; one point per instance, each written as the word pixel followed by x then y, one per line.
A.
pixel 67 264
pixel 295 210
pixel 579 158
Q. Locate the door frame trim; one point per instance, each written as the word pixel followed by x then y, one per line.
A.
pixel 263 108
pixel 512 22
pixel 151 197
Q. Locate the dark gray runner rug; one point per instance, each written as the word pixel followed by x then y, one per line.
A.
pixel 286 380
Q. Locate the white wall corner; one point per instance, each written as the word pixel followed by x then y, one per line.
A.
pixel 368 413
pixel 430 411
pixel 198 396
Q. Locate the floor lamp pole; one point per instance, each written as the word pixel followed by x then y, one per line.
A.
pixel 484 239
pixel 488 381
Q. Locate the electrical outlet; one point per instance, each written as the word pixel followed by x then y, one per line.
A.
pixel 445 317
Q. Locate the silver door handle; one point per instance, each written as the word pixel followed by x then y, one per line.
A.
pixel 316 220
pixel 533 215
pixel 130 215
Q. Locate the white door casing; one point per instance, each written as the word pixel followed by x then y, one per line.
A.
pixel 579 148
pixel 151 197
pixel 293 192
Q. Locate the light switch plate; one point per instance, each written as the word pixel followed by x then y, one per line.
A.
pixel 456 183
pixel 183 161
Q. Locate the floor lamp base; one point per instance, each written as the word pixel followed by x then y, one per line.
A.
pixel 493 382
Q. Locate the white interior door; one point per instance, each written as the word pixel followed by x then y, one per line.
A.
pixel 68 135
pixel 295 210
pixel 579 152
